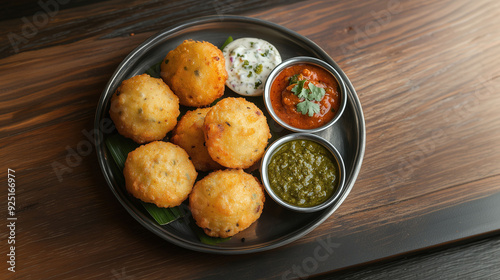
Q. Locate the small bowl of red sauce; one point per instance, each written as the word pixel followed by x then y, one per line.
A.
pixel 305 94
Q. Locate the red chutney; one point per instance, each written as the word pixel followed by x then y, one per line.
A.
pixel 284 101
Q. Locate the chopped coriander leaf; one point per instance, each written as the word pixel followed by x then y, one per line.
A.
pixel 257 84
pixel 308 107
pixel 264 54
pixel 299 87
pixel 249 74
pixel 246 64
pixel 293 79
pixel 303 94
pixel 317 93
pixel 258 69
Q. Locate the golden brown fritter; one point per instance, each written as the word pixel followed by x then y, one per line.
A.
pixel 196 72
pixel 159 173
pixel 189 135
pixel 236 133
pixel 226 202
pixel 144 109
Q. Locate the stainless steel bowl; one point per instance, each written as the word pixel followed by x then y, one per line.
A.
pixel 309 60
pixel 335 197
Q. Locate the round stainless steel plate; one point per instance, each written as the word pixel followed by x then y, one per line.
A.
pixel 277 226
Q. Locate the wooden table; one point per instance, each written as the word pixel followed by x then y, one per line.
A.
pixel 426 73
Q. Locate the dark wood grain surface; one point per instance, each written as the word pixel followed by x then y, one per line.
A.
pixel 473 260
pixel 426 73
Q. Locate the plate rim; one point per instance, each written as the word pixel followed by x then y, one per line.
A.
pixel 200 247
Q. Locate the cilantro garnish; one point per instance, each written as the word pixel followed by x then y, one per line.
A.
pixel 317 93
pixel 308 107
pixel 310 94
pixel 293 79
pixel 299 89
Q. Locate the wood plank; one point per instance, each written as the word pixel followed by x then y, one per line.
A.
pixel 109 19
pixel 476 260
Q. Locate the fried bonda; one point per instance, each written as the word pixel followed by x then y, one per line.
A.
pixel 196 73
pixel 236 133
pixel 160 173
pixel 189 135
pixel 226 202
pixel 144 109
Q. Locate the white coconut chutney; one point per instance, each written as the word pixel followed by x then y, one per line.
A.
pixel 248 63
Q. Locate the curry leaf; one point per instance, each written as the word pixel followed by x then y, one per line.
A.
pixel 228 40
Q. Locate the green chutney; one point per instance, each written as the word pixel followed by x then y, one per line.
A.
pixel 303 173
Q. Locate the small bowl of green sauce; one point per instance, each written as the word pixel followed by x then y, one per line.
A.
pixel 303 172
